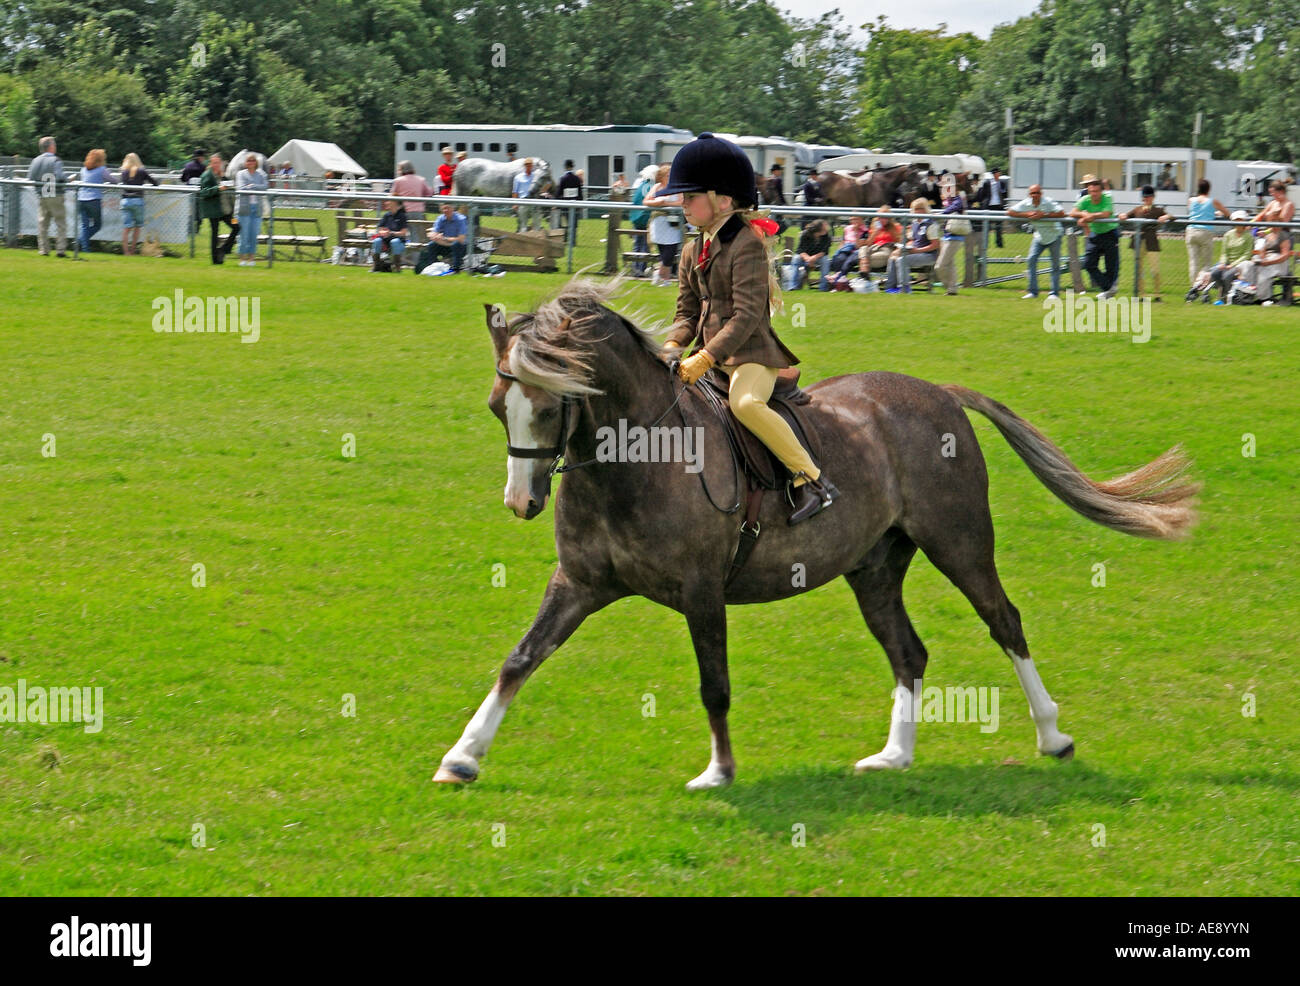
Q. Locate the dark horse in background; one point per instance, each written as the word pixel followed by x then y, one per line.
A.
pixel 894 187
pixel 910 473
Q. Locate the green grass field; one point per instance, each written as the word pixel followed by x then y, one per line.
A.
pixel 372 576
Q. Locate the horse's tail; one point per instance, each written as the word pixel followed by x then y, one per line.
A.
pixel 1154 501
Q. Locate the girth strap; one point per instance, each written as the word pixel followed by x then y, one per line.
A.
pixel 750 529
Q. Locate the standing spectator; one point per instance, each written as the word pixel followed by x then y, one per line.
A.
pixel 194 168
pixel 251 178
pixel 1280 208
pixel 619 188
pixel 408 182
pixel 90 201
pixel 814 248
pixel 1042 213
pixel 446 171
pixel 569 189
pixel 1095 213
pixel 47 171
pixel 920 250
pixel 132 177
pixel 665 229
pixel 522 188
pixel 931 190
pixel 955 232
pixel 992 195
pixel 1201 208
pixel 390 232
pixel 214 207
pixel 812 191
pixel 640 218
pixel 1150 241
pixel 449 238
pixel 874 251
pixel 1235 249
pixel 773 193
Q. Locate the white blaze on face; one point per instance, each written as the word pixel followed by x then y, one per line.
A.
pixel 519 432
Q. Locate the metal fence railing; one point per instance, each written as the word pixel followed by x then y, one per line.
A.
pixel 333 222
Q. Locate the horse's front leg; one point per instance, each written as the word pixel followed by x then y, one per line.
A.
pixel 708 626
pixel 564 607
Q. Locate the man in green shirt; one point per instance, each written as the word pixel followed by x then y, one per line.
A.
pixel 1095 213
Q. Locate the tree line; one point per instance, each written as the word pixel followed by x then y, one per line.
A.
pixel 161 77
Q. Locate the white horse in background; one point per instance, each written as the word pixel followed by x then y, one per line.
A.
pixel 481 176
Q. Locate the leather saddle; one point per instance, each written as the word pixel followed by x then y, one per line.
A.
pixel 762 469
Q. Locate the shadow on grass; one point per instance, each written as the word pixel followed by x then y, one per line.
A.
pixel 827 796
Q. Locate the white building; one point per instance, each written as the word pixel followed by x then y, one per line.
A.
pixel 1060 167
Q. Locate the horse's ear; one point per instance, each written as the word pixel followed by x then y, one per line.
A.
pixel 496 322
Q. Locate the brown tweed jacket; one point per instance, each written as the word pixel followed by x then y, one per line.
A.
pixel 724 306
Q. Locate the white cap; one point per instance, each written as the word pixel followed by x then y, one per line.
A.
pixel 1239 215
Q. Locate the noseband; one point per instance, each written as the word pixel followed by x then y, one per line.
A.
pixel 554 452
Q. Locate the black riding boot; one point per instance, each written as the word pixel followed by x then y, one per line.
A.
pixel 812 498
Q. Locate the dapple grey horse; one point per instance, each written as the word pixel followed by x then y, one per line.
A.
pixel 481 176
pixel 901 450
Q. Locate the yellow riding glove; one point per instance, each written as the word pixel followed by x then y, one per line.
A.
pixel 695 366
pixel 670 351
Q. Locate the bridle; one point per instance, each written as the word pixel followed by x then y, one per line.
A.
pixel 556 452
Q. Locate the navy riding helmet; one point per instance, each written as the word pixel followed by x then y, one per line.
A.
pixel 710 162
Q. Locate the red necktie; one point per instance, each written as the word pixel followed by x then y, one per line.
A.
pixel 704 254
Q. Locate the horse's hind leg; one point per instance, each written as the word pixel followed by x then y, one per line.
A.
pixel 563 609
pixel 964 553
pixel 878 586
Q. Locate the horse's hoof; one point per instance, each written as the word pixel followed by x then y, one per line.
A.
pixel 709 779
pixel 881 761
pixel 1065 753
pixel 455 774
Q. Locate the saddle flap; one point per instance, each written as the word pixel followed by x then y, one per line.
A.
pixel 757 461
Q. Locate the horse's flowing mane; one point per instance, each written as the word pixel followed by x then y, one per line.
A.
pixel 555 343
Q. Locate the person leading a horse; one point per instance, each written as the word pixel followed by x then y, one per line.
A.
pixel 724 303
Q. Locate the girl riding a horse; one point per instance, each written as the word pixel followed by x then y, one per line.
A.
pixel 724 304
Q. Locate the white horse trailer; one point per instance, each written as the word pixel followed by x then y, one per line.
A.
pixel 763 153
pixel 602 153
pixel 1060 167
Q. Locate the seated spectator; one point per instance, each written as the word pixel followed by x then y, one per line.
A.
pixel 449 239
pixel 408 182
pixel 883 236
pixel 391 235
pixel 1234 253
pixel 618 190
pixel 1271 259
pixel 814 248
pixel 921 250
pixel 847 254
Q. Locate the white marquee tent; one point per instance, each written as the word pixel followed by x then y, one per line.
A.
pixel 313 158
